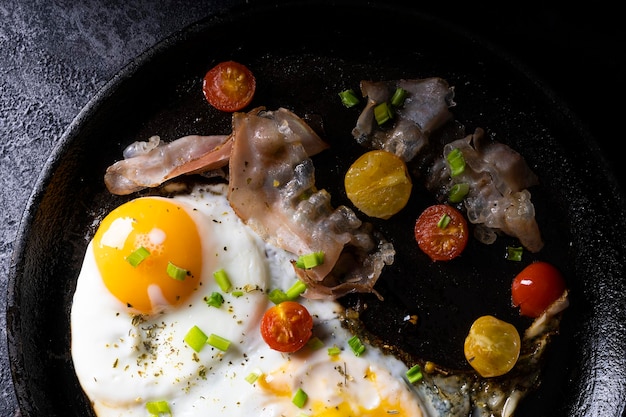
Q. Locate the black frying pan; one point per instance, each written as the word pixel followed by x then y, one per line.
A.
pixel 302 64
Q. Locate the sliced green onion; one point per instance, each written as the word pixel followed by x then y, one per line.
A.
pixel 176 272
pixel 297 288
pixel 277 296
pixel 300 397
pixel 514 253
pixel 138 256
pixel 334 351
pixel 456 161
pixel 222 280
pixel 443 221
pixel 382 113
pixel 398 97
pixel 196 338
pixel 158 408
pixel 215 299
pixel 349 98
pixel 315 343
pixel 218 342
pixel 458 192
pixel 253 376
pixel 414 374
pixel 355 344
pixel 237 293
pixel 310 260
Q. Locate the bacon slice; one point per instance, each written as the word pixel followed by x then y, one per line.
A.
pixel 272 189
pixel 498 179
pixel 149 164
pixel 424 111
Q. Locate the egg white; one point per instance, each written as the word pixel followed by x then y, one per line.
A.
pixel 123 360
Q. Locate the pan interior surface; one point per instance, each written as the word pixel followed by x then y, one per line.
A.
pixel 301 64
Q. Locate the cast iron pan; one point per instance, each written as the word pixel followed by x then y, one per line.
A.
pixel 302 64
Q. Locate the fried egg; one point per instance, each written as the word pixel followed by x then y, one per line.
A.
pixel 131 318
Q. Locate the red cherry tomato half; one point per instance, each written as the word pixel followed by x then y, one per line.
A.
pixel 229 86
pixel 286 327
pixel 440 241
pixel 536 287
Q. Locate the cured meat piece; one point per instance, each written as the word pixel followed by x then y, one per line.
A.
pixel 149 164
pixel 498 198
pixel 272 189
pixel 424 110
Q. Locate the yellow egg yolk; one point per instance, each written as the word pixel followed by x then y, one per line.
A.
pixel 165 233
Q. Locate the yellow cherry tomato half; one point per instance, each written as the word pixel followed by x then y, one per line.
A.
pixel 492 346
pixel 378 184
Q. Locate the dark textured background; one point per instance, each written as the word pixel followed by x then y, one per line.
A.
pixel 54 56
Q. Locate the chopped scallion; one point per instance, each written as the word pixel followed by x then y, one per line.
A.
pixel 310 260
pixel 297 288
pixel 458 192
pixel 456 161
pixel 443 221
pixel 253 376
pixel 398 97
pixel 218 342
pixel 176 272
pixel 414 374
pixel 277 296
pixel 315 343
pixel 349 98
pixel 514 253
pixel 222 280
pixel 215 299
pixel 158 408
pixel 237 293
pixel 138 256
pixel 382 113
pixel 355 344
pixel 334 351
pixel 196 338
pixel 300 397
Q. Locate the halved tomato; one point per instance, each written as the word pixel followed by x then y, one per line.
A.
pixel 441 232
pixel 378 183
pixel 229 86
pixel 492 346
pixel 286 327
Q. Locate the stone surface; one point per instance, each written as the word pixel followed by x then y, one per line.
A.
pixel 54 56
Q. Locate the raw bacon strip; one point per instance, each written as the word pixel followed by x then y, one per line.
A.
pixel 151 163
pixel 272 189
pixel 187 155
pixel 424 111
